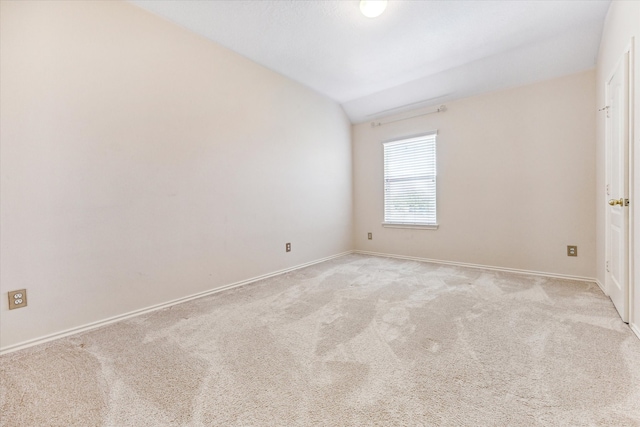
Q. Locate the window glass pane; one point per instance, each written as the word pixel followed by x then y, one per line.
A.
pixel 410 181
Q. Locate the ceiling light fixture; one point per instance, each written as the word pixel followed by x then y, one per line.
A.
pixel 372 8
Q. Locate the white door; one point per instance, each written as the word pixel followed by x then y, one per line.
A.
pixel 617 128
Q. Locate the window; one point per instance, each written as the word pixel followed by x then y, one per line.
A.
pixel 410 182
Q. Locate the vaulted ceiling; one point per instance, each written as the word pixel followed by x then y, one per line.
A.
pixel 417 53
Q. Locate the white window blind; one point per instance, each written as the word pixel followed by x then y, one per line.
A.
pixel 410 181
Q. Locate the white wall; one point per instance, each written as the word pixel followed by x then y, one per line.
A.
pixel 622 24
pixel 515 180
pixel 142 163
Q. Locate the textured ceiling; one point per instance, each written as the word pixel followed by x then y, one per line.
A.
pixel 417 53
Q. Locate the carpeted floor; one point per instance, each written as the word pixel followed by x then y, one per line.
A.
pixel 356 341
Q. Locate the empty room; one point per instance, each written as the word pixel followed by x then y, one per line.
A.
pixel 319 213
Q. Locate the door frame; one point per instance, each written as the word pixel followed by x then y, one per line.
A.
pixel 629 52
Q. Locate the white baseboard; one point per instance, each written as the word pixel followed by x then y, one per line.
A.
pixel 104 322
pixel 480 266
pixel 635 328
pixel 602 287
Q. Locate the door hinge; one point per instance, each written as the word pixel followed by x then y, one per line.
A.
pixel 607 266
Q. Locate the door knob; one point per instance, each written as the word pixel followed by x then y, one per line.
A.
pixel 614 202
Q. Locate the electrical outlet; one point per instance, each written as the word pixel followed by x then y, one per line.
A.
pixel 572 251
pixel 288 247
pixel 370 236
pixel 17 299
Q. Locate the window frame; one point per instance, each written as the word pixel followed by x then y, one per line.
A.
pixel 420 226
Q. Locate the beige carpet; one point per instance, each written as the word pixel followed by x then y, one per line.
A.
pixel 357 341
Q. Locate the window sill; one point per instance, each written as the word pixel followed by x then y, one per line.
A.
pixel 414 226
